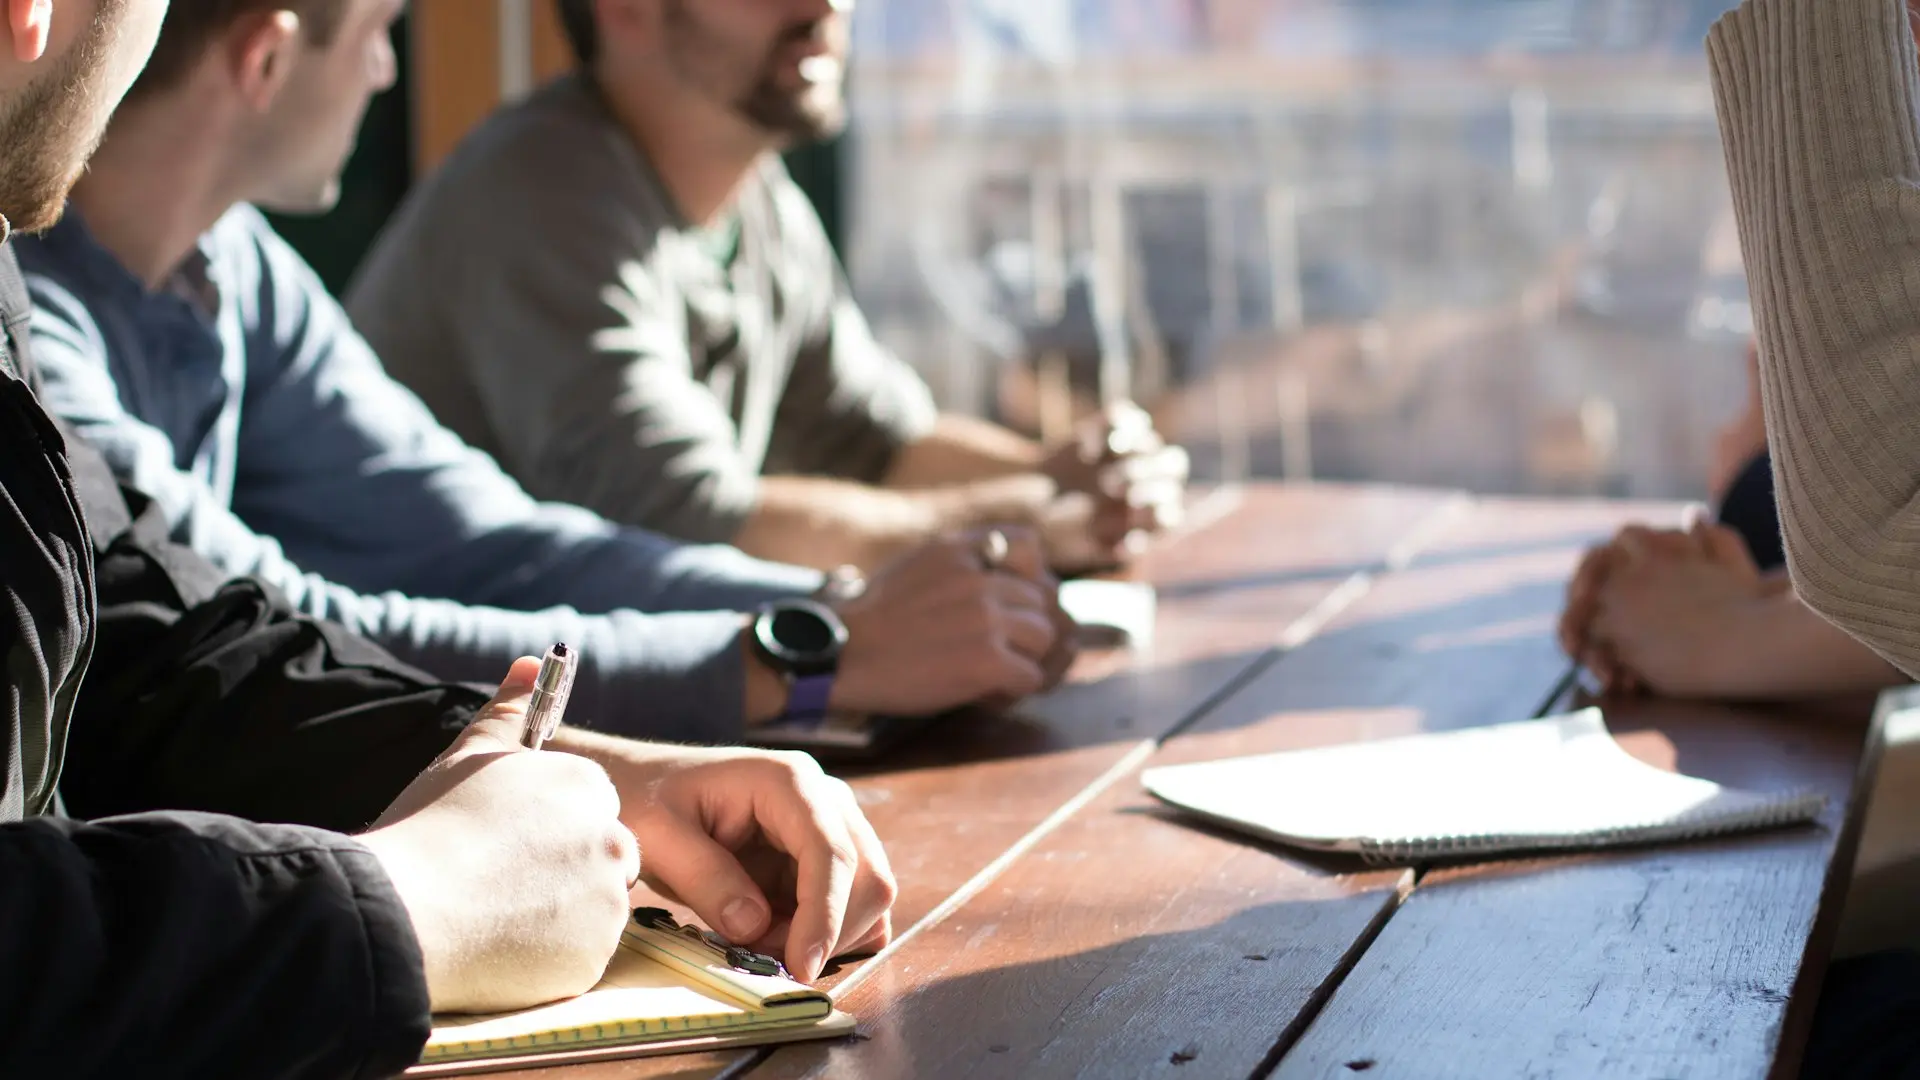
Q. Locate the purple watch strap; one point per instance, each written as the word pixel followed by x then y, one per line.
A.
pixel 807 697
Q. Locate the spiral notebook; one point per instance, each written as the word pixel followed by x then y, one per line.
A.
pixel 1553 784
pixel 663 993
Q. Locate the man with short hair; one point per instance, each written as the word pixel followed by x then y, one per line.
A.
pixel 181 336
pixel 615 288
pixel 169 944
pixel 192 944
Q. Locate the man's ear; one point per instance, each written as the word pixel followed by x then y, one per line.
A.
pixel 260 53
pixel 31 23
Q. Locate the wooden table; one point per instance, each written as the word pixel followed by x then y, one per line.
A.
pixel 1055 922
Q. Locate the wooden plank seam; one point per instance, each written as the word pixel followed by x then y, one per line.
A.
pixel 1424 533
pixel 1556 700
pixel 1290 1035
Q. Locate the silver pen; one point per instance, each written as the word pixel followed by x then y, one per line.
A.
pixel 550 690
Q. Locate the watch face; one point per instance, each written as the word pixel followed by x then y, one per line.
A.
pixel 801 636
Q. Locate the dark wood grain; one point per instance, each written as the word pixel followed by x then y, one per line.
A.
pixel 952 802
pixel 1126 943
pixel 1695 960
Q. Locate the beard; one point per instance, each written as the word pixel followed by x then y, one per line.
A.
pixel 812 112
pixel 50 128
pixel 792 115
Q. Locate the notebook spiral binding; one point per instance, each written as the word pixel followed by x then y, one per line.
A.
pixel 1790 807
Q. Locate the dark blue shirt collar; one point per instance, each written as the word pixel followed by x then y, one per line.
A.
pixel 193 281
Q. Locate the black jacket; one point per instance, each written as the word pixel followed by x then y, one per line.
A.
pixel 185 943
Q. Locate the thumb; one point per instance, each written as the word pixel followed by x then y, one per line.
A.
pixel 1026 555
pixel 1129 429
pixel 496 727
pixel 1696 521
pixel 692 866
pixel 1632 544
pixel 1729 547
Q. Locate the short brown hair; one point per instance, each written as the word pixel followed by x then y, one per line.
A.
pixel 576 18
pixel 192 26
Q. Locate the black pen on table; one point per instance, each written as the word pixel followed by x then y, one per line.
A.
pixel 550 691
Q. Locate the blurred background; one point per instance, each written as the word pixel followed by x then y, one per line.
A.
pixel 1477 243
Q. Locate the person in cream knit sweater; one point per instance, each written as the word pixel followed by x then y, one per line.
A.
pixel 1819 104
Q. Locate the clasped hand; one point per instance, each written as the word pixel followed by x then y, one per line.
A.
pixel 1118 482
pixel 1661 609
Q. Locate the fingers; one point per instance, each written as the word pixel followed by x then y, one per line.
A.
pixel 1582 594
pixel 828 866
pixel 1029 634
pixel 868 925
pixel 1118 430
pixel 1145 491
pixel 1026 556
pixel 1611 660
pixel 1117 521
pixel 1120 449
pixel 1592 570
pixel 1635 543
pixel 1023 614
pixel 1622 679
pixel 496 727
pixel 1606 667
pixel 1015 675
pixel 1696 522
pixel 876 939
pixel 1066 647
pixel 1160 469
pixel 1729 548
pixel 1128 427
pixel 1638 543
pixel 1571 632
pixel 689 864
pixel 1025 638
pixel 835 867
pixel 1083 535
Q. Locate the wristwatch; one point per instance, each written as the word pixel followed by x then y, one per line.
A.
pixel 802 641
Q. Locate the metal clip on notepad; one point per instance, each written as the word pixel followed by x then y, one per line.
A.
pixel 735 956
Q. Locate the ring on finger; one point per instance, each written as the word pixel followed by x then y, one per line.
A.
pixel 994 550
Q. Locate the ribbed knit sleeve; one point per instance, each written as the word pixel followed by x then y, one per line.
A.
pixel 1817 103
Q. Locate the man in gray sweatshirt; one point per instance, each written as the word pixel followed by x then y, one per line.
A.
pixel 630 232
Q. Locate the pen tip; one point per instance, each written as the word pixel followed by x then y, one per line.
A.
pixel 560 648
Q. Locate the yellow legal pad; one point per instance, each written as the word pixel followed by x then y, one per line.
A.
pixel 662 993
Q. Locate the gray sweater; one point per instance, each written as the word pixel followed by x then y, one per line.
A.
pixel 1818 104
pixel 672 373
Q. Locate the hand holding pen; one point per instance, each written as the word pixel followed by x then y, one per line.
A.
pixel 513 866
pixel 764 847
